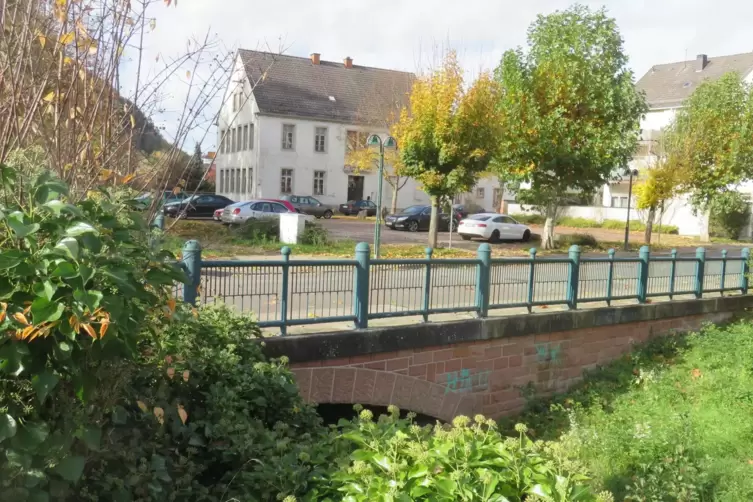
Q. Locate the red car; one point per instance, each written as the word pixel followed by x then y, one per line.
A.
pixel 285 203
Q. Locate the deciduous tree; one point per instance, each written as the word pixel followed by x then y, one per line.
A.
pixel 710 139
pixel 570 112
pixel 448 133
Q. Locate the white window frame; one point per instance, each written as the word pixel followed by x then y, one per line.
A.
pixel 285 145
pixel 323 136
pixel 323 179
pixel 480 193
pixel 284 175
pixel 250 136
pixel 245 137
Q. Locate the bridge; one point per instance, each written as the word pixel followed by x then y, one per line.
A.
pixel 480 366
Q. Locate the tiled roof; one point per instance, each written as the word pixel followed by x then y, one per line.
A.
pixel 668 85
pixel 294 86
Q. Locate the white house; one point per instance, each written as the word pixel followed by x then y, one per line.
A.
pixel 290 133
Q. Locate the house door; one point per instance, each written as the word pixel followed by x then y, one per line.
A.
pixel 355 187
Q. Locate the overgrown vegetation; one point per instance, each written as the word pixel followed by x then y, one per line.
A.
pixel 728 214
pixel 668 422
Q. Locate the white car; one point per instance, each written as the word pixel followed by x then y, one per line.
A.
pixel 252 210
pixel 493 227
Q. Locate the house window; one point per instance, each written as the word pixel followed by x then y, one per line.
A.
pixel 244 189
pixel 251 136
pixel 356 140
pixel 222 140
pixel 245 137
pixel 619 201
pixel 220 180
pixel 232 141
pixel 235 101
pixel 238 187
pixel 480 193
pixel 320 139
pixel 286 181
pixel 230 180
pixel 288 133
pixel 319 182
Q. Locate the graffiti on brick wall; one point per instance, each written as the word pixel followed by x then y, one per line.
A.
pixel 548 353
pixel 465 381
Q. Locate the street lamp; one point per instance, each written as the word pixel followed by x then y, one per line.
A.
pixel 631 173
pixel 389 143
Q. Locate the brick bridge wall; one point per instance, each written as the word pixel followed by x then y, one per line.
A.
pixel 468 367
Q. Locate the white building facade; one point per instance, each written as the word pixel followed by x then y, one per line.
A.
pixel 288 133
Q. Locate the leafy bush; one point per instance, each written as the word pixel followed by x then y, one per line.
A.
pixel 258 230
pixel 530 218
pixel 315 235
pixel 584 240
pixel 205 417
pixel 77 283
pixel 729 213
pixel 395 459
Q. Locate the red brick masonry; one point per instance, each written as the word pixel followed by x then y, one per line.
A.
pixel 480 376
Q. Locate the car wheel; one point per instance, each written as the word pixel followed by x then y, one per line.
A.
pixel 526 236
pixel 494 237
pixel 465 237
pixel 327 215
pixel 413 226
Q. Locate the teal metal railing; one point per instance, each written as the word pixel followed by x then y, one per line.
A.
pixel 284 292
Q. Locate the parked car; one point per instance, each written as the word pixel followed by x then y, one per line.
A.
pixel 196 206
pixel 240 212
pixel 144 200
pixel 353 207
pixel 310 205
pixel 218 214
pixel 415 218
pixel 465 210
pixel 493 227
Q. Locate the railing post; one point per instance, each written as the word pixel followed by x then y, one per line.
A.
pixel 610 276
pixel 700 266
pixel 361 286
pixel 672 273
pixel 284 293
pixel 574 269
pixel 159 221
pixel 724 272
pixel 157 226
pixel 192 264
pixel 427 285
pixel 644 255
pixel 531 279
pixel 745 270
pixel 483 273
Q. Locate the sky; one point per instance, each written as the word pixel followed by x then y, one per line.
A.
pixel 403 35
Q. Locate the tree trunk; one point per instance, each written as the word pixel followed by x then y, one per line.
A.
pixel 547 240
pixel 393 207
pixel 649 225
pixel 705 235
pixel 433 223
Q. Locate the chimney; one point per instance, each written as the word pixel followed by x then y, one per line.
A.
pixel 315 57
pixel 348 62
pixel 701 60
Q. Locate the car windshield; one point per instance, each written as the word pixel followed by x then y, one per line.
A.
pixel 413 209
pixel 479 217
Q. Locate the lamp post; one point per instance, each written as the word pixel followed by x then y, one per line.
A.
pixel 388 143
pixel 631 173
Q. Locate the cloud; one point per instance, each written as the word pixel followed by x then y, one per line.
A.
pixel 404 35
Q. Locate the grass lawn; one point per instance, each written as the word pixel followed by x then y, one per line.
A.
pixel 673 421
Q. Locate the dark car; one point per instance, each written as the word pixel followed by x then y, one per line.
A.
pixel 309 205
pixel 353 207
pixel 415 218
pixel 465 210
pixel 196 206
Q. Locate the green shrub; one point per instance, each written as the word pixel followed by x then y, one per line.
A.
pixel 77 283
pixel 728 215
pixel 635 225
pixel 315 235
pixel 567 221
pixel 584 240
pixel 529 218
pixel 395 459
pixel 258 231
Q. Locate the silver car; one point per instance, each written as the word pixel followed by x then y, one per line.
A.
pixel 252 210
pixel 310 205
